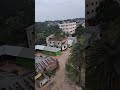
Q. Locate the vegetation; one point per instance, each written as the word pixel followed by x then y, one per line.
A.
pixel 103 56
pixel 51 72
pixel 43 31
pixel 27 63
pixel 76 61
pixel 13 21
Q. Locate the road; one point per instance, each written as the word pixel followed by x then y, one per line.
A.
pixel 60 81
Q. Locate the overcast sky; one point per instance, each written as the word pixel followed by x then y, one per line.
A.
pixel 59 9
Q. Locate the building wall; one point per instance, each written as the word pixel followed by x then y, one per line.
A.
pixel 68 27
pixel 55 43
pixel 31 36
pixel 91 6
pixel 52 53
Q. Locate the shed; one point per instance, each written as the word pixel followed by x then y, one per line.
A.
pixel 53 51
pixel 47 50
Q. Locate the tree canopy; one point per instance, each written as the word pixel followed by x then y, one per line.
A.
pixel 15 17
pixel 103 56
pixel 43 31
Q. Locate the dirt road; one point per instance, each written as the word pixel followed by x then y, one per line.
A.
pixel 59 81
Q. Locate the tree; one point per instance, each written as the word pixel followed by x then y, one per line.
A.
pixel 44 31
pixel 107 11
pixel 75 66
pixel 13 21
pixel 79 31
pixel 102 60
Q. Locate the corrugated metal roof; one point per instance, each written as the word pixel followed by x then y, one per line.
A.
pixel 17 51
pixel 47 48
pixel 39 47
pixel 42 62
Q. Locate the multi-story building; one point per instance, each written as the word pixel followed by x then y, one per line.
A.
pixel 91 6
pixel 31 35
pixel 68 27
pixel 57 42
pixel 91 27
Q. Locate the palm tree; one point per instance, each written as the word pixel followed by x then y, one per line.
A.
pixel 76 61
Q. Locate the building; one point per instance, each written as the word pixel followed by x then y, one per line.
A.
pixel 42 65
pixel 31 35
pixel 68 27
pixel 71 41
pixel 80 22
pixel 91 6
pixel 10 81
pixel 90 13
pixel 52 51
pixel 41 79
pixel 45 63
pixel 17 51
pixel 60 42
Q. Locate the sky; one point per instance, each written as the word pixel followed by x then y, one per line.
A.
pixel 59 9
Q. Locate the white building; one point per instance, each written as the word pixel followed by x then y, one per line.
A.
pixel 71 41
pixel 68 27
pixel 57 42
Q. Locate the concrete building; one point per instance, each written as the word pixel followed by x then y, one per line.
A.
pixel 91 6
pixel 31 35
pixel 80 22
pixel 45 63
pixel 68 27
pixel 57 42
pixel 71 41
pixel 92 28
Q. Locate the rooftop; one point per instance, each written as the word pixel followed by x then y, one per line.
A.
pixel 42 62
pixel 17 51
pixel 47 48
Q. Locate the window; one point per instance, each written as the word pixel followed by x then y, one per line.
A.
pixel 86 5
pixel 96 3
pixel 30 42
pixel 92 4
pixel 87 12
pixel 33 33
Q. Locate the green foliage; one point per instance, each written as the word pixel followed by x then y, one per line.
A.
pixel 15 20
pixel 27 63
pixel 79 31
pixel 108 11
pixel 44 31
pixel 75 61
pixel 102 58
pixel 72 73
pixel 51 72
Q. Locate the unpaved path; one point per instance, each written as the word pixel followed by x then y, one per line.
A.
pixel 59 81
